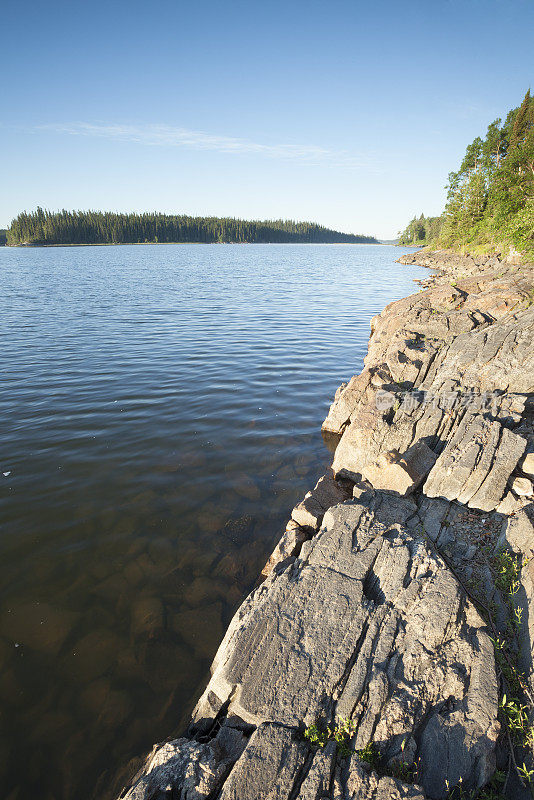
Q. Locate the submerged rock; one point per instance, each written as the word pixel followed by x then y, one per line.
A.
pixel 93 655
pixel 38 625
pixel 201 629
pixel 148 616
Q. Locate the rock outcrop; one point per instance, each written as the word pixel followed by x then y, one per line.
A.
pixel 368 611
pixel 451 368
pixel 366 623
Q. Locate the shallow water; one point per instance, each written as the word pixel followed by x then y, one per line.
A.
pixel 161 410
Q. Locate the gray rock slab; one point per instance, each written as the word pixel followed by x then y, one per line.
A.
pixel 356 782
pixel 365 617
pixel 269 766
pixel 476 464
pixel 318 781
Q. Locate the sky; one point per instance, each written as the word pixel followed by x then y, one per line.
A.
pixel 349 114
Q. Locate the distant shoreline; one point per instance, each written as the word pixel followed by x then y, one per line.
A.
pixel 42 227
pixel 136 244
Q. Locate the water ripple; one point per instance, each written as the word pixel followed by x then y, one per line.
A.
pixel 161 409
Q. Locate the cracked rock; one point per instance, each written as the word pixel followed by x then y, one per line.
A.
pixel 364 618
pixel 289 545
pixel 196 768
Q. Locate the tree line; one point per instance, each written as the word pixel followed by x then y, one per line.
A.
pixel 42 227
pixel 421 231
pixel 490 199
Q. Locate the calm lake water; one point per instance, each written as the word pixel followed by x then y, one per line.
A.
pixel 161 410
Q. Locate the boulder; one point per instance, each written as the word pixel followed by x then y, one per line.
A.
pixel 327 492
pixel 509 504
pixel 522 487
pixel 401 473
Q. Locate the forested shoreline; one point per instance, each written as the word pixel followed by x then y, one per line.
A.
pixel 42 227
pixel 490 199
pixel 421 231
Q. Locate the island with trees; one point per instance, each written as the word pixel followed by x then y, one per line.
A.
pixel 42 227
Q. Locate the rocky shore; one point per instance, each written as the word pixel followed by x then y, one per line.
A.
pixel 394 623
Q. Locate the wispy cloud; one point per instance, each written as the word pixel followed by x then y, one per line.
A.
pixel 170 136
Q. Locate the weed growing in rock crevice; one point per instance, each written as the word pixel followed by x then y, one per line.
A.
pixel 507 567
pixel 341 732
pixel 370 755
pixel 516 717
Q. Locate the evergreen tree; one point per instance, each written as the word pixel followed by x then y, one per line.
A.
pixel 420 231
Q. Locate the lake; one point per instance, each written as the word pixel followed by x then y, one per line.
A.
pixel 161 410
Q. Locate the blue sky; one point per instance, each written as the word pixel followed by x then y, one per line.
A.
pixel 350 114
